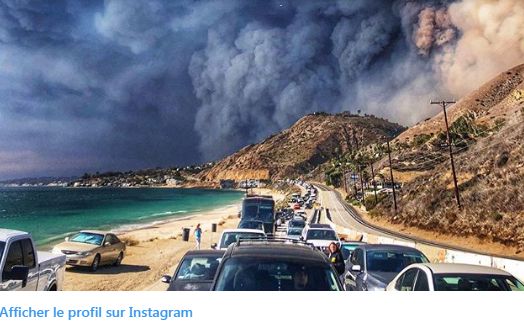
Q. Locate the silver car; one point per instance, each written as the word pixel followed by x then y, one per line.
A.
pixel 371 267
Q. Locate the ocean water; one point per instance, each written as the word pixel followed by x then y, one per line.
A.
pixel 52 213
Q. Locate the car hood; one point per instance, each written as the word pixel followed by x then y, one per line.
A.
pixel 379 278
pixel 75 246
pixel 184 285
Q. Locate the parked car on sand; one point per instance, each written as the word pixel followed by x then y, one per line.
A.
pixel 92 249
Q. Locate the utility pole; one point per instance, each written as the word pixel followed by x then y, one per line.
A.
pixel 344 180
pixel 361 182
pixel 373 181
pixel 444 104
pixel 392 180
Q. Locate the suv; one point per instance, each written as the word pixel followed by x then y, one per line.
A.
pixel 320 236
pixel 275 265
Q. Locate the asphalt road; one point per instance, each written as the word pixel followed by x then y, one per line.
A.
pixel 333 207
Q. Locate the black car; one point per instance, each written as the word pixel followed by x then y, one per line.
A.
pixel 259 207
pixel 251 224
pixel 372 266
pixel 275 265
pixel 195 272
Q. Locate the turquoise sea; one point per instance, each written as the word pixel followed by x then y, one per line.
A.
pixel 52 213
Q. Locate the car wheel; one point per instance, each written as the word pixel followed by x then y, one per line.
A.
pixel 119 259
pixel 96 263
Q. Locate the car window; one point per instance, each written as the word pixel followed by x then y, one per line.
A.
pixel 408 280
pixel 474 282
pixel 271 274
pixel 2 246
pixel 88 238
pixel 360 258
pixel 321 235
pixel 14 257
pixel 392 260
pixel 514 284
pixel 422 281
pixel 198 268
pixel 29 253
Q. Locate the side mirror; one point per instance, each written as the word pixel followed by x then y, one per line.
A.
pixel 107 244
pixel 66 239
pixel 356 267
pixel 166 279
pixel 18 273
pixel 214 246
pixel 301 238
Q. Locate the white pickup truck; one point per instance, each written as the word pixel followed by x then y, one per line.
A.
pixel 23 268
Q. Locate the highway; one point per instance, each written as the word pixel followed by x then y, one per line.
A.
pixel 343 215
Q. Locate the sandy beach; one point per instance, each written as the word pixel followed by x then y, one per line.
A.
pixel 155 251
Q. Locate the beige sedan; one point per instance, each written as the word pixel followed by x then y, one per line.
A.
pixel 92 249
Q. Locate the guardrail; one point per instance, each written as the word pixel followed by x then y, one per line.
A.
pixel 434 251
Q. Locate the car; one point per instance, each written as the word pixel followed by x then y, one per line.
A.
pixel 320 236
pixel 296 206
pixel 230 236
pixel 347 248
pixel 453 277
pixel 251 224
pixel 296 223
pixel 195 272
pixel 22 268
pixel 92 249
pixel 260 207
pixel 275 265
pixel 294 233
pixel 373 266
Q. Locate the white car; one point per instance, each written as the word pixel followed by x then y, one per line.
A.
pixel 453 277
pixel 233 235
pixel 320 235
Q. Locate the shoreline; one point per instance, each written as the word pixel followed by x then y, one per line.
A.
pixel 153 251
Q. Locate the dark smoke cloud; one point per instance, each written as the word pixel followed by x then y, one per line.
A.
pixel 100 85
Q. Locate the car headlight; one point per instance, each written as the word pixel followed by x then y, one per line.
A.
pixel 84 253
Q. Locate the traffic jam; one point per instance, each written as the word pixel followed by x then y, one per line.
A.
pixel 290 250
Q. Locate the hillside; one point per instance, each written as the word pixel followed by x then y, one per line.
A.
pixel 487 128
pixel 296 151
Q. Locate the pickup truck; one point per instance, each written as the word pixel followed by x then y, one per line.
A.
pixel 22 268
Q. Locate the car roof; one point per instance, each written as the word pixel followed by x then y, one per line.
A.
pixel 204 252
pixel 369 247
pixel 5 233
pixel 243 230
pixel 276 250
pixel 459 268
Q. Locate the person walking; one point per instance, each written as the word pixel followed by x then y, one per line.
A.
pixel 198 236
pixel 336 259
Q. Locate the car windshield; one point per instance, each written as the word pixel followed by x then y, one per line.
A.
pixel 294 231
pixel 199 268
pixel 270 274
pixel 252 225
pixel 232 237
pixel 297 223
pixel 347 250
pixel 392 261
pixel 2 246
pixel 476 282
pixel 321 235
pixel 88 238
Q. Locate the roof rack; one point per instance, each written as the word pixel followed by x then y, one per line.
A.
pixel 274 240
